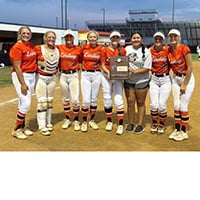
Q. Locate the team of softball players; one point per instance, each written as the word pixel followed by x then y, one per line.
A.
pixel 160 69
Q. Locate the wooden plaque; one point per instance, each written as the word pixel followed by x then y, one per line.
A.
pixel 119 67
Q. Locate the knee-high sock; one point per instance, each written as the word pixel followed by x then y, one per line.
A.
pixel 154 117
pixel 76 112
pixel 184 121
pixel 108 112
pixel 120 116
pixel 177 118
pixel 84 113
pixel 49 115
pixel 20 120
pixel 162 118
pixel 41 119
pixel 67 110
pixel 92 112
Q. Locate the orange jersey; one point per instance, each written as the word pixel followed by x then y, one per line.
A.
pixel 39 53
pixel 107 53
pixel 91 57
pixel 39 56
pixel 69 57
pixel 26 53
pixel 160 63
pixel 177 59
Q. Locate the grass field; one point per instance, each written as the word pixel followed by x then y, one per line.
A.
pixel 5 77
pixel 5 74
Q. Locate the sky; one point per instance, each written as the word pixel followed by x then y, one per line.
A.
pixel 48 12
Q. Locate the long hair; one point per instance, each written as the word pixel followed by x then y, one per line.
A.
pixel 142 45
pixel 21 30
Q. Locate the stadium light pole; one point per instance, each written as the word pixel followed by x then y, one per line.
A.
pixel 104 17
pixel 66 17
pixel 173 8
pixel 62 24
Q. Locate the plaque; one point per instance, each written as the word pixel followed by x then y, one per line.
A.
pixel 119 67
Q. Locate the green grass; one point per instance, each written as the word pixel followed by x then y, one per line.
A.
pixel 5 77
pixel 194 56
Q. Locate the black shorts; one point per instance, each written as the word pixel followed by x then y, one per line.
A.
pixel 133 86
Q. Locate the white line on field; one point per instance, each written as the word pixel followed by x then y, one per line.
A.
pixel 14 100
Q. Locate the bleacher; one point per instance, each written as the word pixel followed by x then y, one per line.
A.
pixel 190 30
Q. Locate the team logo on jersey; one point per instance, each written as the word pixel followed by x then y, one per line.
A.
pixel 132 57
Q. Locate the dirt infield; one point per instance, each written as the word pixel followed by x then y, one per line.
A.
pixel 100 140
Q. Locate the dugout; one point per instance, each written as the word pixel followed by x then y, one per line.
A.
pixel 8 36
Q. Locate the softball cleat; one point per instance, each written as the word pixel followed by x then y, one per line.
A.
pixel 181 136
pixel 45 131
pixel 66 124
pixel 77 125
pixel 120 130
pixel 109 126
pixel 161 130
pixel 154 129
pixel 84 127
pixel 28 132
pixel 173 134
pixel 93 125
pixel 50 127
pixel 19 134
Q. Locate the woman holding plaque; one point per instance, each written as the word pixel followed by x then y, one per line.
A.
pixel 136 87
pixel 115 86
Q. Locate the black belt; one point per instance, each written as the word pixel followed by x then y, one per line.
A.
pixel 46 74
pixel 180 75
pixel 85 70
pixel 29 72
pixel 68 71
pixel 160 75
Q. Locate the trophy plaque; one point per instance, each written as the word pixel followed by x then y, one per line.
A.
pixel 119 67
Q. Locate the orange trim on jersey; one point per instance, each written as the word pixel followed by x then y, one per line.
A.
pixel 177 59
pixel 91 57
pixel 160 63
pixel 25 53
pixel 70 57
pixel 107 52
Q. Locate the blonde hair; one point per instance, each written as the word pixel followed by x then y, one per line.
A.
pixel 95 32
pixel 46 35
pixel 20 32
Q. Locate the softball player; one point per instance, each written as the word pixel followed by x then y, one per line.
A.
pixel 90 79
pixel 160 84
pixel 112 86
pixel 182 84
pixel 23 59
pixel 136 87
pixel 70 56
pixel 198 51
pixel 48 58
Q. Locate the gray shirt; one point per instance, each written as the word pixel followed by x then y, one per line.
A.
pixel 138 63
